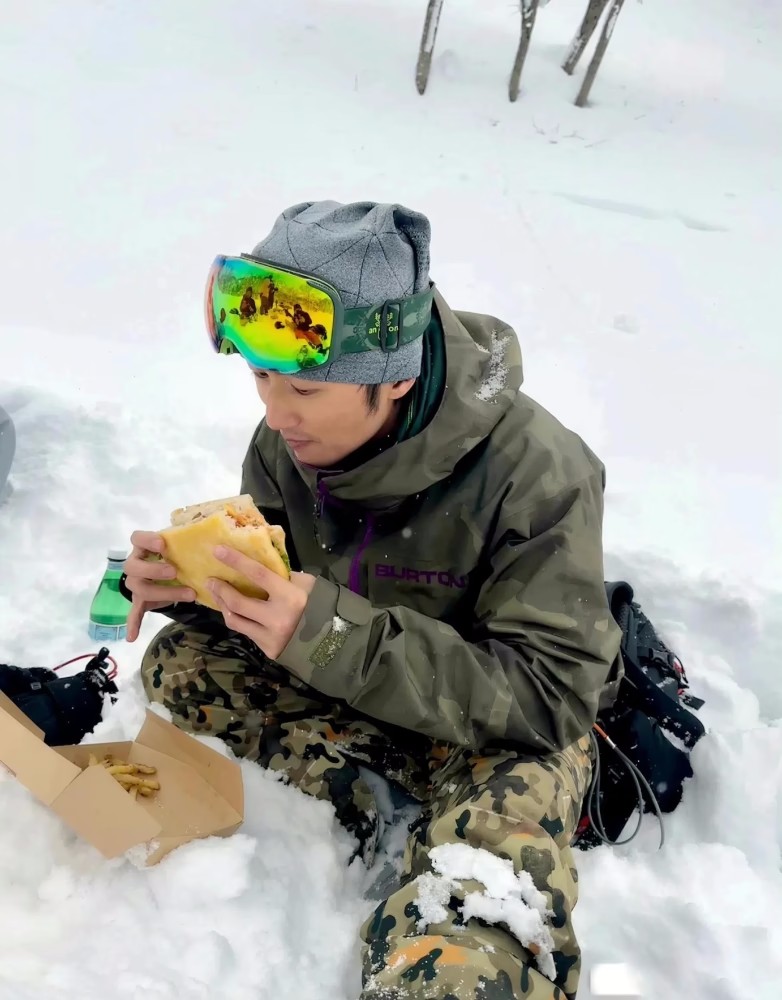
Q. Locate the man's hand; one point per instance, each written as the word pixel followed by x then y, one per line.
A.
pixel 143 580
pixel 270 624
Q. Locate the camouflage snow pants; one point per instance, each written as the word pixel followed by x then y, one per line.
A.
pixel 520 808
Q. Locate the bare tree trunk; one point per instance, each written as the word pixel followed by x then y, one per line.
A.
pixel 433 10
pixel 600 51
pixel 529 8
pixel 591 18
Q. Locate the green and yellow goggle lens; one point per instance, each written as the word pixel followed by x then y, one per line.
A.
pixel 274 318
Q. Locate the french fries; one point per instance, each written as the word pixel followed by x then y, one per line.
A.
pixel 130 776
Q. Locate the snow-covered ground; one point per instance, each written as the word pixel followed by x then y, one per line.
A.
pixel 635 245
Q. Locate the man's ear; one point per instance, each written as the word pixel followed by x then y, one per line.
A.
pixel 401 388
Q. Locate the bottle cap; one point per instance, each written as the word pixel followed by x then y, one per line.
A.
pixel 118 555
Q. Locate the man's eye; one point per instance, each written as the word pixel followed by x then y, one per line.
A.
pixel 260 375
pixel 303 392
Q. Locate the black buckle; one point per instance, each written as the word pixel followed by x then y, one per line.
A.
pixel 97 674
pixel 390 326
pixel 656 657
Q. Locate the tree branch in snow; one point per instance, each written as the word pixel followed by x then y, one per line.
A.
pixel 581 39
pixel 600 51
pixel 434 9
pixel 529 9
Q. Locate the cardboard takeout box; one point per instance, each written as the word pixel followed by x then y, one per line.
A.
pixel 201 792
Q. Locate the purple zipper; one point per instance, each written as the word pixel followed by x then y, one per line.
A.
pixel 354 577
pixel 354 574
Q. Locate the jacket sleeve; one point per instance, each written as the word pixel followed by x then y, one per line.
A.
pixel 535 659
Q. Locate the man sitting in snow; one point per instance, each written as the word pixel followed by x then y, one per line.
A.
pixel 447 625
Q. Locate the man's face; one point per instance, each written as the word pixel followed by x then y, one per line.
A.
pixel 324 422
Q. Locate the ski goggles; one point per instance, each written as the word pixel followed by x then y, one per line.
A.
pixel 287 321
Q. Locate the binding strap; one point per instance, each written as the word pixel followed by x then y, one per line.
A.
pixel 672 716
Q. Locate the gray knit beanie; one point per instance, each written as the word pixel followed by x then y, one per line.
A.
pixel 370 252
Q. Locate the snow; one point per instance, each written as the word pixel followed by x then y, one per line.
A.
pixel 616 979
pixel 431 901
pixel 508 898
pixel 339 625
pixel 269 912
pixel 634 246
pixel 523 923
pixel 462 861
pixel 497 376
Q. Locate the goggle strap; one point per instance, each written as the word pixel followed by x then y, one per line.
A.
pixel 387 322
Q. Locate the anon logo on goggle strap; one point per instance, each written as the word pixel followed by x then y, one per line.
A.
pixel 388 330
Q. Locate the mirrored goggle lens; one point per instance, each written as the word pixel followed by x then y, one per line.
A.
pixel 276 320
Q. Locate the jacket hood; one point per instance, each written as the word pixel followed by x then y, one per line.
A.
pixel 483 376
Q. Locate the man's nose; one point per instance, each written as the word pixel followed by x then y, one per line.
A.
pixel 280 415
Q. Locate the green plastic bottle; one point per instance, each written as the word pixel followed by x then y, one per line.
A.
pixel 109 609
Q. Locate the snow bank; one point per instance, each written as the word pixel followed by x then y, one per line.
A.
pixel 270 911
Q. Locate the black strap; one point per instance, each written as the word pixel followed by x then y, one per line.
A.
pixel 668 713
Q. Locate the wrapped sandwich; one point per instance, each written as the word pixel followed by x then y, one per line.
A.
pixel 235 521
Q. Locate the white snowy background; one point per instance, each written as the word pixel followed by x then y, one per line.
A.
pixel 635 246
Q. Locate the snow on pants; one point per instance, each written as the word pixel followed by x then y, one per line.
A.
pixel 520 808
